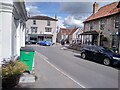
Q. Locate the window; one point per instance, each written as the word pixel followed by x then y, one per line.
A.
pixel 91 26
pixel 34 22
pixel 117 22
pixel 48 29
pixel 33 29
pixel 48 23
pixel 102 24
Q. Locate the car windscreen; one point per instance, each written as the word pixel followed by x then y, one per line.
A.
pixel 106 50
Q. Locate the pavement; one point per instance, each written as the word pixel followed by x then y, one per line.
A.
pixel 47 76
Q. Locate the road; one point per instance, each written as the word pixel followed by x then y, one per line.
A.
pixel 87 73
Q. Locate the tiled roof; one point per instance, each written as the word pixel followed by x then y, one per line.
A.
pixel 42 18
pixel 67 31
pixel 104 11
pixel 73 31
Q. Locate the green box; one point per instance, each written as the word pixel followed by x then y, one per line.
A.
pixel 27 57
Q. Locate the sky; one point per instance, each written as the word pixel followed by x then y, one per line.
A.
pixel 69 14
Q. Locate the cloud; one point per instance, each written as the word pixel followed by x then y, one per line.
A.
pixel 60 22
pixel 78 12
pixel 33 9
pixel 71 21
pixel 74 8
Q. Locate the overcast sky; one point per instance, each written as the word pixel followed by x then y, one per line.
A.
pixel 69 14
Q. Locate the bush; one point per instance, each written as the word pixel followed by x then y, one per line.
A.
pixel 11 71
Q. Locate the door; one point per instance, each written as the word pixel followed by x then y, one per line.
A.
pixel 90 52
pixel 98 56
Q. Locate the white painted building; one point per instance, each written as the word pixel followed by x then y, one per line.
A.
pixel 12 29
pixel 41 28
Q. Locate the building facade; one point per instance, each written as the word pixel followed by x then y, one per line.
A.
pixel 63 34
pixel 103 26
pixel 75 35
pixel 41 28
pixel 69 34
pixel 12 29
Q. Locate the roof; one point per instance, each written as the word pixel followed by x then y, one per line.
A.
pixel 73 31
pixel 90 33
pixel 67 31
pixel 42 18
pixel 104 11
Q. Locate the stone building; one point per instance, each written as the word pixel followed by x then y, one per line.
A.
pixel 103 26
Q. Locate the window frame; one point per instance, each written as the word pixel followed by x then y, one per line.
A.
pixel 34 22
pixel 34 29
pixel 102 24
pixel 48 23
pixel 47 29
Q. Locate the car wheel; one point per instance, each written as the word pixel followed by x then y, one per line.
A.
pixel 83 55
pixel 106 61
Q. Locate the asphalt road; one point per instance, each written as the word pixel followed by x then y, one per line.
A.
pixel 89 74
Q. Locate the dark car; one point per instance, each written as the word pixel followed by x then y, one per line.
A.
pixel 32 42
pixel 100 54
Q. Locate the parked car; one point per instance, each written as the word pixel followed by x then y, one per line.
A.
pixel 100 54
pixel 45 43
pixel 32 42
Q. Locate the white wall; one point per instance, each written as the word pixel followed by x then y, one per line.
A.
pixel 9 33
pixel 6 35
pixel 18 39
pixel 0 38
pixel 41 24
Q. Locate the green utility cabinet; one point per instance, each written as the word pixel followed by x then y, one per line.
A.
pixel 27 57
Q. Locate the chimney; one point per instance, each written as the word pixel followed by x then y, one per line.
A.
pixel 55 16
pixel 95 7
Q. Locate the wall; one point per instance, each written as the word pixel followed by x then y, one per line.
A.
pixel 6 34
pixel 109 28
pixel 0 37
pixel 41 24
pixel 9 32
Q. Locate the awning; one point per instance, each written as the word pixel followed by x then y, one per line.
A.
pixel 90 33
pixel 44 35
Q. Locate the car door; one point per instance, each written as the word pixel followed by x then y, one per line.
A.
pixel 98 55
pixel 91 52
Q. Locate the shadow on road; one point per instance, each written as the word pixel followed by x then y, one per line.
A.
pixel 115 66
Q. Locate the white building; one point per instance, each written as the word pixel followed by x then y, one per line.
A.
pixel 41 28
pixel 12 28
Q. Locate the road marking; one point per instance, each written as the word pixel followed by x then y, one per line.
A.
pixel 45 59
